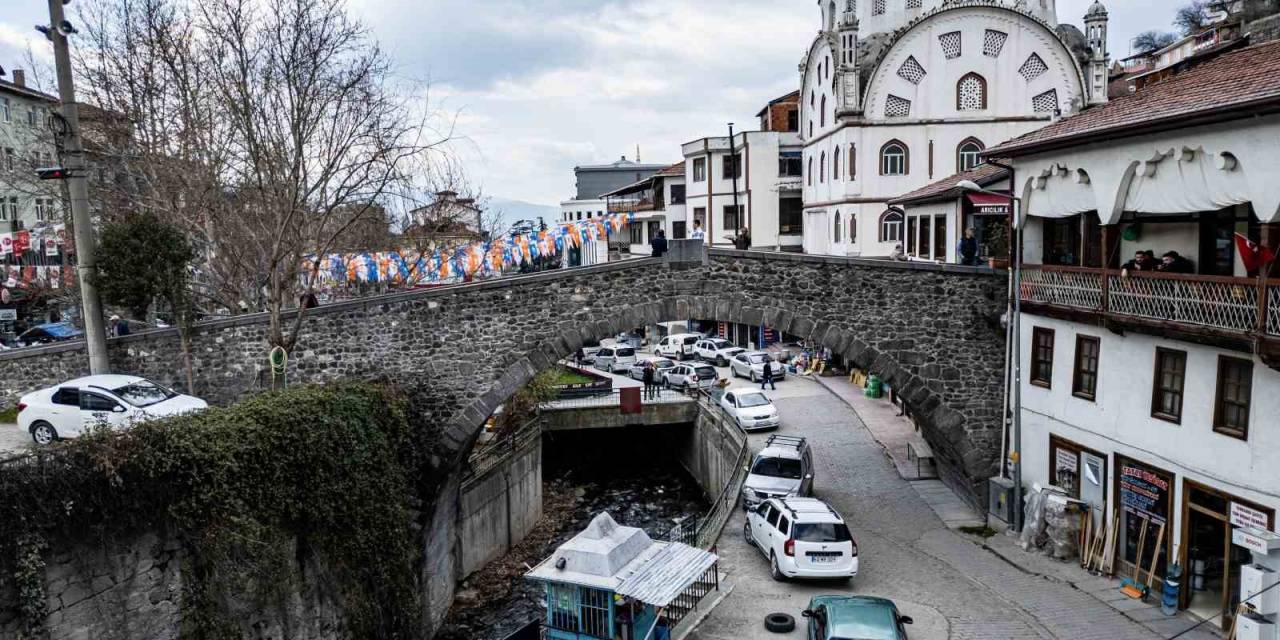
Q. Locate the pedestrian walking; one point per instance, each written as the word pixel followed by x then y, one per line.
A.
pixel 650 387
pixel 767 378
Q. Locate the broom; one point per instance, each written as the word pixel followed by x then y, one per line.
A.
pixel 1131 586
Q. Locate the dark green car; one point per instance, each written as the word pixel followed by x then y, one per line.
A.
pixel 855 618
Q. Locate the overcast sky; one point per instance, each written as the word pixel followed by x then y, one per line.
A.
pixel 540 86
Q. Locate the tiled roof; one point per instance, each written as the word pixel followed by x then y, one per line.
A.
pixel 25 91
pixel 1237 80
pixel 676 169
pixel 945 189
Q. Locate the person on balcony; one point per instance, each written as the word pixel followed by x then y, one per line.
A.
pixel 1172 262
pixel 1142 261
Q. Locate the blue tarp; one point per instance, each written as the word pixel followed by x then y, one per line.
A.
pixel 60 330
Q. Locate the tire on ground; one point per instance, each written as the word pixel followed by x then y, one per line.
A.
pixel 779 623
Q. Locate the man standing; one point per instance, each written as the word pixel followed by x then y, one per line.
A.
pixel 767 378
pixel 968 249
pixel 649 384
pixel 698 233
pixel 659 244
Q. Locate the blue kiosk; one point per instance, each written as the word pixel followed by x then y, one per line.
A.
pixel 612 582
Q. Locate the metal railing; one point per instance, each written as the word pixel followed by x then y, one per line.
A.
pixel 1064 286
pixel 1273 310
pixel 1221 303
pixel 713 522
pixel 613 398
pixel 485 458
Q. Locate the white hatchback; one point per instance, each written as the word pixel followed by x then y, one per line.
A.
pixel 118 401
pixel 753 410
pixel 803 538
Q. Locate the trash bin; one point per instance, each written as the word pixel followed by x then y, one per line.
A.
pixel 1172 588
pixel 875 387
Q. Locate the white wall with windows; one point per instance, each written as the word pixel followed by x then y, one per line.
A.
pixel 962 79
pixel 574 210
pixel 25 144
pixel 764 181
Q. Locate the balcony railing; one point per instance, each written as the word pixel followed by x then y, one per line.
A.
pixel 1225 304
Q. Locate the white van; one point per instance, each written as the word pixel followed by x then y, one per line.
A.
pixel 678 346
pixel 617 359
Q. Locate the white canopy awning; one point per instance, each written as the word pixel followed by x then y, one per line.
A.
pixel 667 574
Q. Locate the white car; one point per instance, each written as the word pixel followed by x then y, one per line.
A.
pixel 717 351
pixel 661 366
pixel 753 410
pixel 690 376
pixel 73 407
pixel 802 538
pixel 678 346
pixel 751 365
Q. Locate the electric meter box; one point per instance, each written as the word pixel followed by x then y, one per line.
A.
pixel 1258 588
pixel 1000 499
pixel 1251 626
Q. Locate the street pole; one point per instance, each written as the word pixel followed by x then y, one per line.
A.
pixel 1016 454
pixel 737 167
pixel 77 186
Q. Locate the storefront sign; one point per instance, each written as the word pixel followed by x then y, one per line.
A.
pixel 8 315
pixel 1243 516
pixel 991 209
pixel 1143 492
pixel 1067 460
pixel 1256 540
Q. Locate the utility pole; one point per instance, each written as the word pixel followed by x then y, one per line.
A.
pixel 77 186
pixel 737 167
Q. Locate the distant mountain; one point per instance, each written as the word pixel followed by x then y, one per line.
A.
pixel 509 212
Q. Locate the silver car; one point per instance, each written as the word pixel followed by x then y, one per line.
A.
pixel 615 359
pixel 661 366
pixel 751 365
pixel 783 468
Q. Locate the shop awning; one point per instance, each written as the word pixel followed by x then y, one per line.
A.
pixel 667 574
pixel 987 204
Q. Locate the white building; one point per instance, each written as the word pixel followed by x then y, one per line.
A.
pixel 937 215
pixel 897 94
pixel 25 144
pixel 657 203
pixel 1154 396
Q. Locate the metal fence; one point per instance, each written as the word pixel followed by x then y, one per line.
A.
pixel 713 522
pixel 1222 303
pixel 613 398
pixel 1079 288
pixel 485 458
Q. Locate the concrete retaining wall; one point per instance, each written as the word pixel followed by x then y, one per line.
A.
pixel 498 509
pixel 709 451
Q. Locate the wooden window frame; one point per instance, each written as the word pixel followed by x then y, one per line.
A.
pixel 982 82
pixel 1157 389
pixel 1036 379
pixel 699 163
pixel 1078 371
pixel 906 157
pixel 960 168
pixel 901 222
pixel 1219 402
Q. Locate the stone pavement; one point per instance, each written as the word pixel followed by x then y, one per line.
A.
pixel 13 440
pixel 954 585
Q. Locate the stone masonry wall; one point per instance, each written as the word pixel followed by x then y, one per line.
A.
pixel 931 331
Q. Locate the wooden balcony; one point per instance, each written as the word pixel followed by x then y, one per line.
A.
pixel 1237 313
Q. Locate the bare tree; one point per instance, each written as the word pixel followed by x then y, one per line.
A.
pixel 1149 41
pixel 270 132
pixel 1192 18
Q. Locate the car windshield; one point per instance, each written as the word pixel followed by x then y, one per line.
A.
pixel 758 358
pixel 143 393
pixel 691 340
pixel 663 364
pixel 752 400
pixel 706 373
pixel 821 532
pixel 777 468
pixel 626 352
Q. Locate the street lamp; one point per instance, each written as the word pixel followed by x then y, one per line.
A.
pixel 1015 327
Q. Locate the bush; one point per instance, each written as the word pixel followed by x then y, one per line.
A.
pixel 253 490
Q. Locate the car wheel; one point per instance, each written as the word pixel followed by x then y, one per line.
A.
pixel 43 433
pixel 779 623
pixel 753 377
pixel 720 362
pixel 774 571
pixel 746 528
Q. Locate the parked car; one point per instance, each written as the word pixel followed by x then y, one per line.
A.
pixel 678 346
pixel 839 617
pixel 589 350
pixel 753 410
pixel 73 407
pixel 690 376
pixel 51 332
pixel 661 366
pixel 783 468
pixel 717 351
pixel 615 359
pixel 751 365
pixel 802 538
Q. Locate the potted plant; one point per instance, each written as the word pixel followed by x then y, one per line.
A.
pixel 997 245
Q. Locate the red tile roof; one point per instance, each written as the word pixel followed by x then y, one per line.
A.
pixel 945 189
pixel 676 169
pixel 1214 90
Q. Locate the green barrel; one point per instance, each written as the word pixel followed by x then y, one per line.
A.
pixel 875 387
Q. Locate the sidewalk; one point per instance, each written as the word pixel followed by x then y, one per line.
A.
pixel 13 441
pixel 894 432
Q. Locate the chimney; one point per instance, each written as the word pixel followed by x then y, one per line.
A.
pixel 19 77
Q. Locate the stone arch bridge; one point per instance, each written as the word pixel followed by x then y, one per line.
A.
pixel 931 331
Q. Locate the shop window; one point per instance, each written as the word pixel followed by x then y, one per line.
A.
pixel 1085 381
pixel 940 238
pixel 1147 495
pixel 1042 357
pixel 1170 377
pixel 790 216
pixel 1235 388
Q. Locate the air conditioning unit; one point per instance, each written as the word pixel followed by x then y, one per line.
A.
pixel 1000 498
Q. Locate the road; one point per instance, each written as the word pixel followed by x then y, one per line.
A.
pixel 946 581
